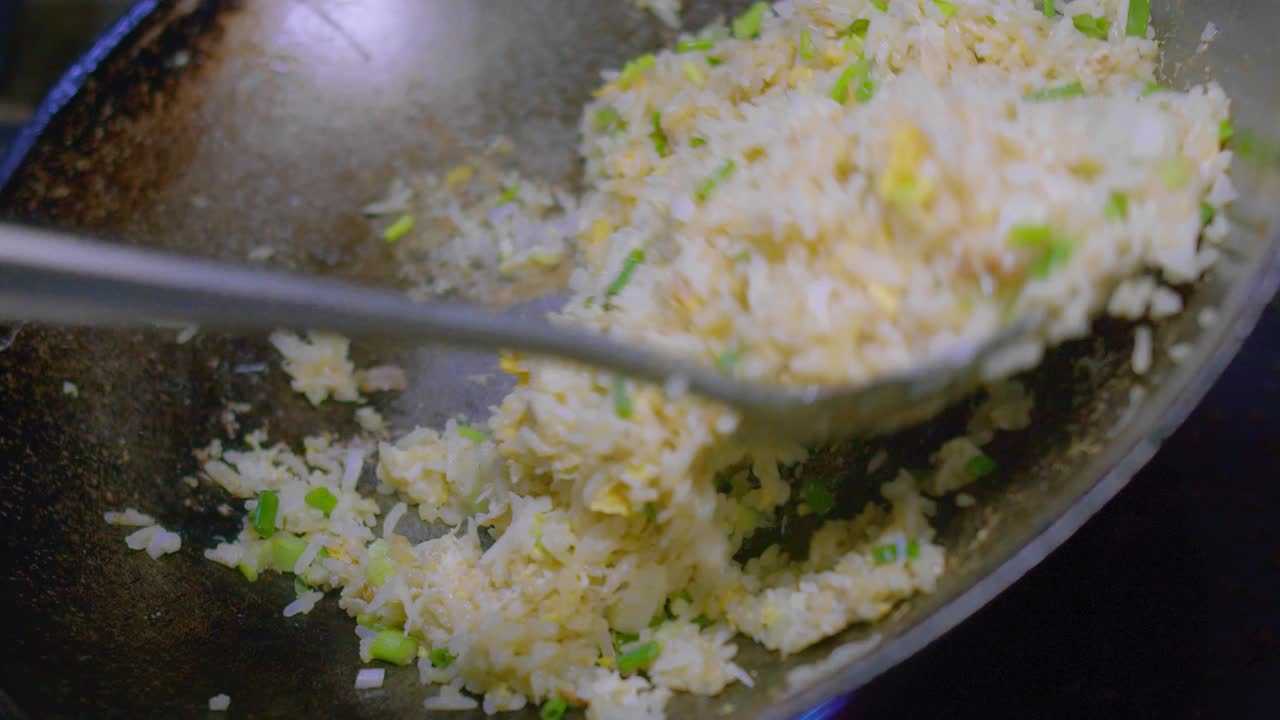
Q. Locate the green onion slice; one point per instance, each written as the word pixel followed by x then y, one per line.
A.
pixel 398 229
pixel 747 25
pixel 322 499
pixel 621 400
pixel 980 465
pixel 634 258
pixel 394 647
pixel 638 657
pixel 264 516
pixel 1139 18
pixel 554 709
pixel 1057 92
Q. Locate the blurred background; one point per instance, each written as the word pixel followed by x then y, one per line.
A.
pixel 1167 604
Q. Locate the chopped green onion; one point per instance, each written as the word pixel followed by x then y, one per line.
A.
pixel 285 551
pixel 1027 235
pixel 394 647
pixel 650 513
pixel 858 28
pixel 554 709
pixel 1094 27
pixel 948 9
pixel 379 566
pixel 881 5
pixel 806 44
pixel 1207 213
pixel 1057 92
pixel 634 258
pixel 300 588
pixel 695 45
pixel 1154 87
pixel 885 554
pixel 747 25
pixel 264 516
pixel 818 496
pixel 727 361
pixel 980 465
pixel 714 61
pixel 702 621
pixel 696 142
pixel 621 400
pixel 623 639
pixel 1139 18
pixel 322 499
pixel 632 69
pixel 607 119
pixel 684 595
pixel 638 657
pixel 1058 252
pixel 1226 131
pixel 913 549
pixel 693 73
pixel 1046 7
pixel 659 136
pixel 508 195
pixel 398 229
pixel 1117 207
pixel 473 434
pixel 858 76
pixel 709 185
pixel 440 658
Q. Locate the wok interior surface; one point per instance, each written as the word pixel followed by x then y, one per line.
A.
pixel 214 128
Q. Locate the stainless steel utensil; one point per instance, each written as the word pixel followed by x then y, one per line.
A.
pixel 59 278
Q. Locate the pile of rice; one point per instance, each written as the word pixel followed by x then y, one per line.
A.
pixel 818 191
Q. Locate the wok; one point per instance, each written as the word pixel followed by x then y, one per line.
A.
pixel 217 127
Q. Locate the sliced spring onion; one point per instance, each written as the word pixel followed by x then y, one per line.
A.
pixel 650 513
pixel 714 61
pixel 948 9
pixel 694 73
pixel 264 516
pixel 379 566
pixel 634 258
pixel 1226 131
pixel 633 68
pixel 1029 235
pixel 980 465
pixel 638 657
pixel 818 496
pixel 806 44
pixel 1095 27
pixel 1207 213
pixel 440 658
pixel 1046 7
pixel 1154 87
pixel 300 587
pixel 398 229
pixel 1058 252
pixel 885 554
pixel 684 595
pixel 1117 207
pixel 727 361
pixel 554 709
pixel 858 28
pixel 866 89
pixel 607 120
pixel 473 434
pixel 285 551
pixel 709 185
pixel 623 639
pixel 659 136
pixel 508 195
pixel 1057 92
pixel 695 45
pixel 913 549
pixel 747 25
pixel 1139 18
pixel 394 647
pixel 702 621
pixel 881 5
pixel 621 400
pixel 1054 249
pixel 322 499
pixel 696 142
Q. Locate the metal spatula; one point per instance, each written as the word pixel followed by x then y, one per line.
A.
pixel 59 278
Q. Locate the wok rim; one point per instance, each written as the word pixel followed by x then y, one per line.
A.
pixel 823 698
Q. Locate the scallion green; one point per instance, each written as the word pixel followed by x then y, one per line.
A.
pixel 695 45
pixel 1117 207
pixel 1226 131
pixel 1138 19
pixel 747 25
pixel 621 400
pixel 264 515
pixel 508 195
pixel 607 120
pixel 650 513
pixel 727 361
pixel 554 709
pixel 632 69
pixel 818 496
pixel 398 229
pixel 881 5
pixel 1093 26
pixel 440 658
pixel 638 657
pixel 473 434
pixel 1057 92
pixel 858 28
pixel 1046 7
pixel 702 621
pixel 696 142
pixel 948 9
pixel 285 551
pixel 980 465
pixel 322 499
pixel 806 44
pixel 885 554
pixel 394 647
pixel 1207 213
pixel 913 549
pixel 634 258
pixel 709 185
